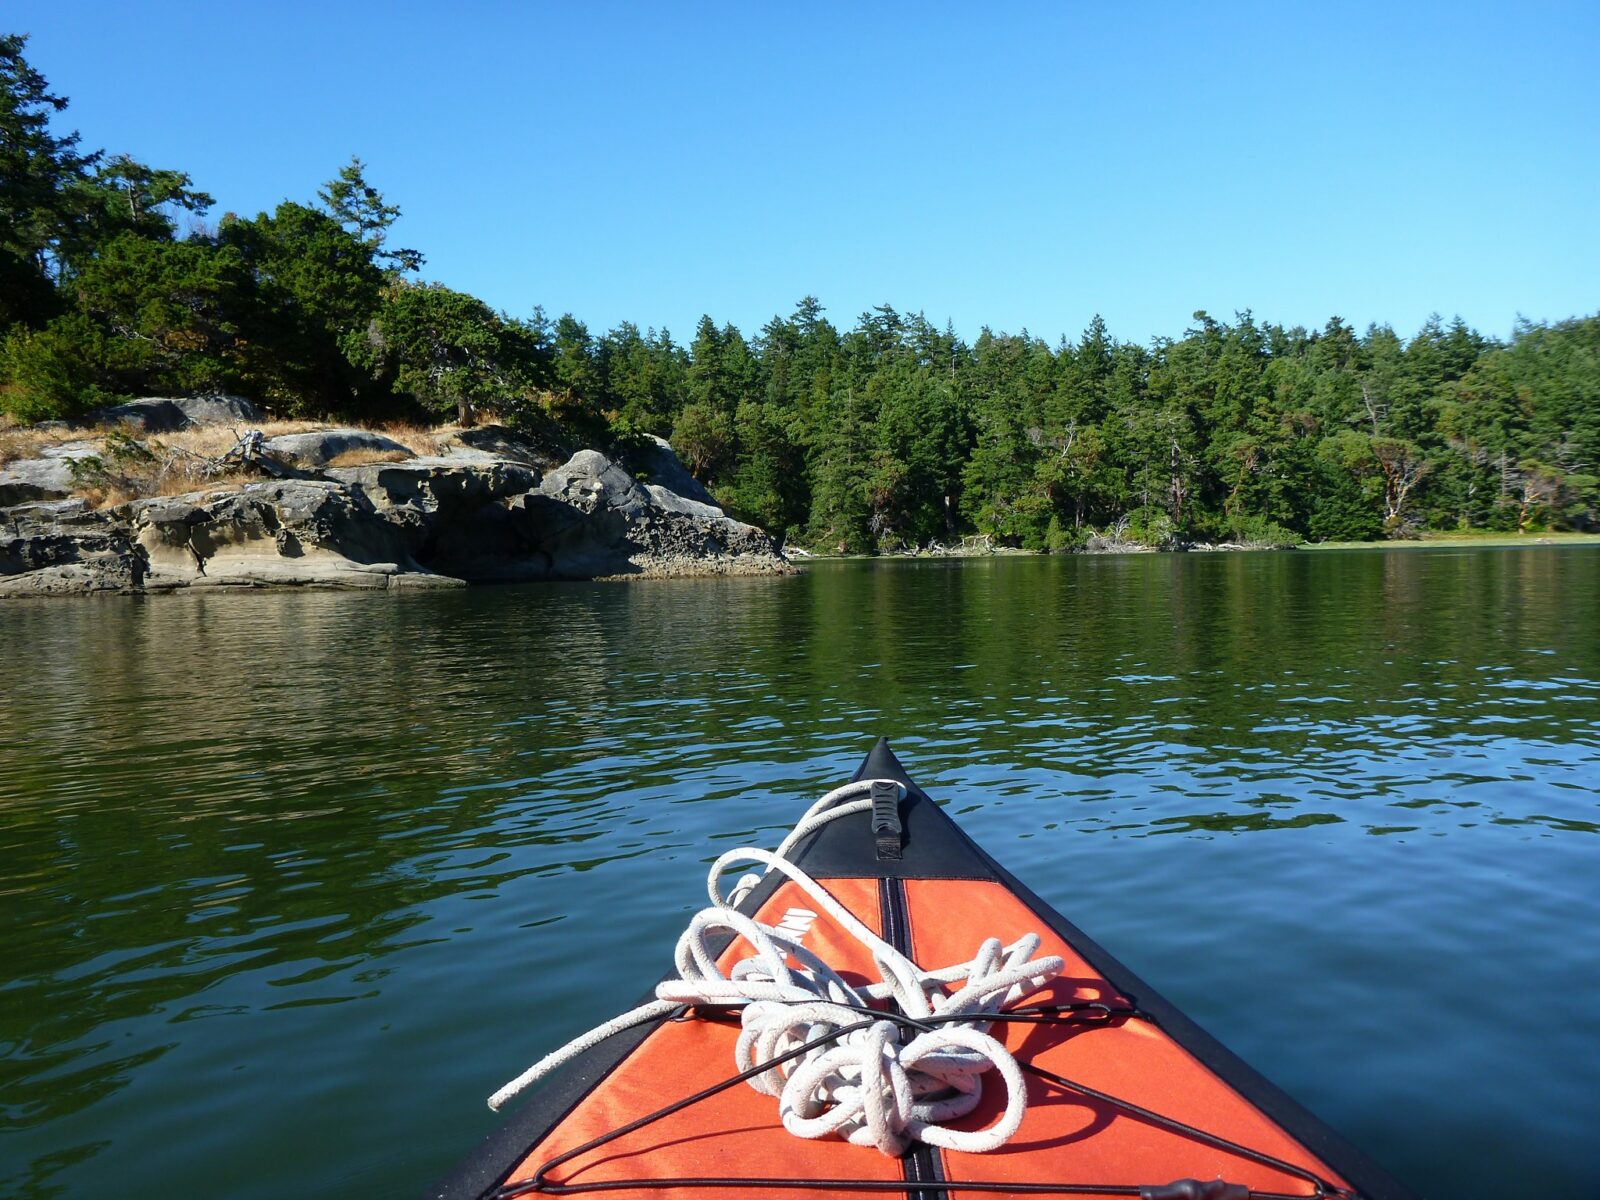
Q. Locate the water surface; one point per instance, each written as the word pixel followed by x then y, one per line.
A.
pixel 292 882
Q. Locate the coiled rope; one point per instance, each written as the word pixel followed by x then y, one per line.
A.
pixel 874 1084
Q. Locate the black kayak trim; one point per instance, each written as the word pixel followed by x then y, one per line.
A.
pixel 922 1163
pixel 933 847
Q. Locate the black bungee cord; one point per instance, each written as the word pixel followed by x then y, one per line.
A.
pixel 1088 1013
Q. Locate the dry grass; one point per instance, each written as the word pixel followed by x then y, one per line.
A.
pixel 139 487
pixel 23 441
pixel 137 466
pixel 134 465
pixel 129 469
pixel 422 440
pixel 213 441
pixel 362 458
pixel 12 446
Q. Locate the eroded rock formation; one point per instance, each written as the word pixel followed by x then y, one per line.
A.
pixel 483 512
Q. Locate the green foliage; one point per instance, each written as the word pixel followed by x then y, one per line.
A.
pixel 360 209
pixel 644 377
pixel 768 484
pixel 59 205
pixel 1340 510
pixel 37 167
pixel 316 289
pixel 1151 525
pixel 1251 530
pixel 173 310
pixel 576 364
pixel 55 372
pixel 121 455
pixel 895 433
pixel 1059 538
pixel 125 197
pixel 451 351
pixel 703 437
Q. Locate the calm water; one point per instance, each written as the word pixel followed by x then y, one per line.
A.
pixel 292 882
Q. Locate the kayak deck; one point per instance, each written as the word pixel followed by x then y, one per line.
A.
pixel 1126 1096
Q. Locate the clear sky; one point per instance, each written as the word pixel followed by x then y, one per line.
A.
pixel 1003 165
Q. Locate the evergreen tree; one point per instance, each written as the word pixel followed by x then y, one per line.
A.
pixel 360 209
pixel 452 352
pixel 37 170
pixel 316 290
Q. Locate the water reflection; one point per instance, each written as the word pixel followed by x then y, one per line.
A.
pixel 296 868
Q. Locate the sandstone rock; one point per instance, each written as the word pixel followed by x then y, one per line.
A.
pixel 65 548
pixel 661 466
pixel 320 448
pixel 164 414
pixel 488 442
pixel 431 485
pixel 45 514
pixel 451 511
pixel 113 573
pixel 218 409
pixel 291 532
pixel 589 518
pixel 48 477
pixel 306 533
pixel 424 522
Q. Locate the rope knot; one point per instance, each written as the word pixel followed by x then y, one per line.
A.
pixel 874 1086
pixel 887 1082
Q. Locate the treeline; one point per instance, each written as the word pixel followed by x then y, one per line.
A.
pixel 891 433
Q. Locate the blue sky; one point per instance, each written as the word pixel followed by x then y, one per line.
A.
pixel 1015 166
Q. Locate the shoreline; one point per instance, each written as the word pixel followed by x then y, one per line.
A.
pixel 1485 541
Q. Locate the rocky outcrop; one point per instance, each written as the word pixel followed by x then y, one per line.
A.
pixel 661 466
pixel 303 532
pixel 282 533
pixel 48 477
pixel 425 522
pixel 590 518
pixel 321 447
pixel 496 441
pixel 162 414
pixel 65 548
pixel 452 512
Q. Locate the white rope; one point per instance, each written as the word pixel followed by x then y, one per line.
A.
pixel 872 1087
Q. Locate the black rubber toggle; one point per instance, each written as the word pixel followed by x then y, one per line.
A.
pixel 1193 1189
pixel 886 827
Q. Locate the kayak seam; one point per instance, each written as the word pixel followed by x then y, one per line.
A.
pixel 919 1164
